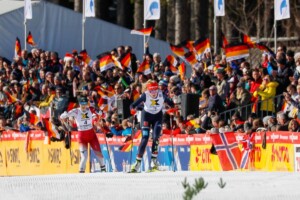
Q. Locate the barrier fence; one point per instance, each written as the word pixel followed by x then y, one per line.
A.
pixel 22 155
pixel 273 103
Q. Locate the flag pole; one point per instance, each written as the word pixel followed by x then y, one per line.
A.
pixel 215 34
pixel 25 30
pixel 144 41
pixel 83 23
pixel 275 29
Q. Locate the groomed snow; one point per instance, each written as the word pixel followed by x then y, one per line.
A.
pixel 152 186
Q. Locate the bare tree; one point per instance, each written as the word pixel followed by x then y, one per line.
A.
pixel 138 14
pixel 123 13
pixel 171 21
pixel 102 9
pixel 295 10
pixel 182 12
pixel 242 15
pixel 55 1
pixel 78 5
pixel 161 24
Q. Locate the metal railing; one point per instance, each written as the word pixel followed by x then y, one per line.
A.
pixel 246 110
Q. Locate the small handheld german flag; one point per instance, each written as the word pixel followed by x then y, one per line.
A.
pixel 30 40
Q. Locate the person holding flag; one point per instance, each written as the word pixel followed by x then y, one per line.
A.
pixel 152 116
pixel 86 134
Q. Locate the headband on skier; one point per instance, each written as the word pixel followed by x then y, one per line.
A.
pixel 152 86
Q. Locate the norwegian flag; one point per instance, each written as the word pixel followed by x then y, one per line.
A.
pixel 228 150
pixel 248 145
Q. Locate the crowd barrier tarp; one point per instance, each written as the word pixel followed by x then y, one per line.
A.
pixel 40 158
pixel 19 156
pixel 200 158
pixel 297 157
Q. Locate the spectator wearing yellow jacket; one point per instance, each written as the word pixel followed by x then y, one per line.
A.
pixel 267 92
pixel 47 96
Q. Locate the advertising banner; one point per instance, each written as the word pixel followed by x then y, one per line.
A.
pixel 2 159
pixel 297 157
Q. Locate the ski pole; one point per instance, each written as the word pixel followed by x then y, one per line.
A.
pixel 109 159
pixel 132 134
pixel 173 157
pixel 69 135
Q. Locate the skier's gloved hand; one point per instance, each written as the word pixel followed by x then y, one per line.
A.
pixel 132 111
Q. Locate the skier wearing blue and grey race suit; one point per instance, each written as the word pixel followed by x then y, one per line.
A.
pixel 152 117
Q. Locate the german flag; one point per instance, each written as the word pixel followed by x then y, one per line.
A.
pixel 103 103
pixel 51 129
pixel 236 51
pixel 172 60
pixel 17 47
pixel 106 62
pixel 126 147
pixel 177 50
pixel 27 85
pixel 85 57
pixel 172 111
pixel 190 58
pixel 71 106
pixel 138 135
pixel 247 40
pixel 135 94
pixel 126 61
pixel 27 142
pixel 144 68
pixel 11 99
pixel 265 48
pixel 104 92
pixel 224 40
pixel 202 45
pixel 193 123
pixel 144 31
pixel 30 40
pixel 33 119
pixel 254 107
pixel 173 69
pixel 284 106
pixel 182 70
pixel 188 44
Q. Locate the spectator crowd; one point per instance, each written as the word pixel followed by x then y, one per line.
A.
pixel 40 85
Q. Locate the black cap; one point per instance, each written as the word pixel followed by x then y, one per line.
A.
pixel 83 100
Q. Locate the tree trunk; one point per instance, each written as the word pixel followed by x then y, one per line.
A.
pixel 161 24
pixel 102 9
pixel 266 19
pixel 123 15
pixel 258 24
pixel 78 5
pixel 194 29
pixel 295 12
pixel 171 21
pixel 202 19
pixel 55 1
pixel 138 14
pixel 181 20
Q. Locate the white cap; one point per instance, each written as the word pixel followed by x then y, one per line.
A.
pixel 231 80
pixel 210 67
